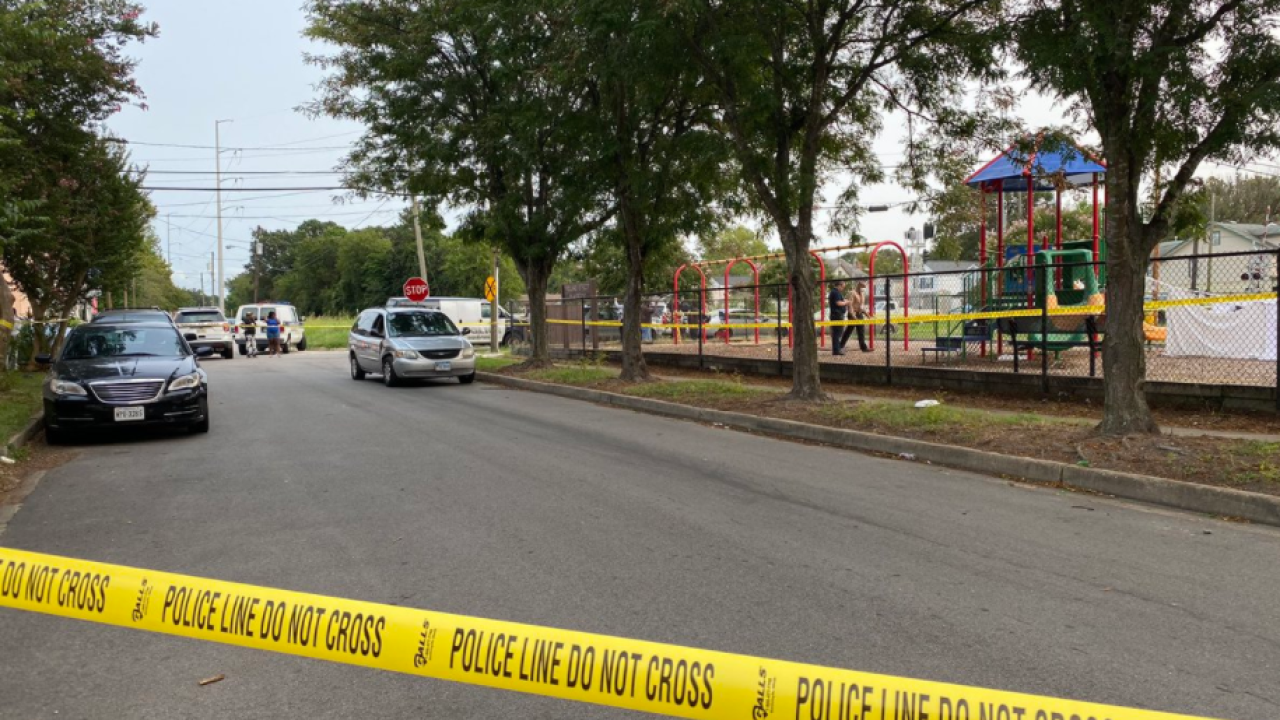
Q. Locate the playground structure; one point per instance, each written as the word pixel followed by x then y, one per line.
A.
pixel 1018 275
pixel 756 261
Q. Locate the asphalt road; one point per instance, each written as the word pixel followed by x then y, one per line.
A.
pixel 497 503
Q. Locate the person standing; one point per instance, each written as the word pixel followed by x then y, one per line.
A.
pixel 838 308
pixel 273 334
pixel 249 326
pixel 858 310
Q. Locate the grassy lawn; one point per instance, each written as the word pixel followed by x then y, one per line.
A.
pixel 327 332
pixel 573 375
pixel 490 364
pixel 695 391
pixel 19 401
pixel 901 416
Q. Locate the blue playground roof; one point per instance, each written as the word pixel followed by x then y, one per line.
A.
pixel 1011 166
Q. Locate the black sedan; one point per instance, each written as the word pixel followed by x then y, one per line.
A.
pixel 125 375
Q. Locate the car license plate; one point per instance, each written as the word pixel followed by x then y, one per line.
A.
pixel 127 414
pixel 444 366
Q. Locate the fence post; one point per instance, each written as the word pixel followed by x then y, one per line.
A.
pixel 1013 338
pixel 888 345
pixel 583 306
pixel 701 337
pixel 1278 339
pixel 1044 329
pixel 777 307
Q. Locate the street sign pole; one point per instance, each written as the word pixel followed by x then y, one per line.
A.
pixel 493 306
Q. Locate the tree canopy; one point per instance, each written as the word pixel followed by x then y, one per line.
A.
pixel 1167 85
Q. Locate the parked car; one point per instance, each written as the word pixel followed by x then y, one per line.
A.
pixel 471 313
pixel 206 327
pixel 125 375
pixel 132 315
pixel 713 325
pixel 402 343
pixel 292 333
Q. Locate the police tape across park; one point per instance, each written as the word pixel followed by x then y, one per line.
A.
pixel 582 667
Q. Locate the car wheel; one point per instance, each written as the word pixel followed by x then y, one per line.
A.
pixel 203 425
pixel 302 344
pixel 467 379
pixel 357 372
pixel 54 436
pixel 243 350
pixel 284 347
pixel 389 372
pixel 229 354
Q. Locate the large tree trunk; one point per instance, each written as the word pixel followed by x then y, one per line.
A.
pixel 39 336
pixel 1124 361
pixel 536 276
pixel 806 381
pixel 634 368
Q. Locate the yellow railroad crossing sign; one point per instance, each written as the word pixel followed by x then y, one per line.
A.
pixel 490 288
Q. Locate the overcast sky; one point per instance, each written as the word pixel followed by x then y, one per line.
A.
pixel 243 61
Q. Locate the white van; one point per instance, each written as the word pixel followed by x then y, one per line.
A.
pixel 473 313
pixel 291 332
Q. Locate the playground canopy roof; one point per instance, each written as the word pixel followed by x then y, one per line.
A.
pixel 1011 167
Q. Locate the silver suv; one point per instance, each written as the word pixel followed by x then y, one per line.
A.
pixel 206 327
pixel 409 343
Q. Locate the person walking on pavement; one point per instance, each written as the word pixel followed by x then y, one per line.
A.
pixel 839 306
pixel 858 311
pixel 273 334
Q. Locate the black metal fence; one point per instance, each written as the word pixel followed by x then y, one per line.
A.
pixel 1209 319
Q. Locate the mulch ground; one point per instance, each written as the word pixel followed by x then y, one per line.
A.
pixel 36 456
pixel 1223 462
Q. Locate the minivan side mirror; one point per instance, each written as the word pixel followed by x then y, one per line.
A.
pixel 466 331
pixel 44 359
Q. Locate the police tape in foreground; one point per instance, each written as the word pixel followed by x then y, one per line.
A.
pixel 583 667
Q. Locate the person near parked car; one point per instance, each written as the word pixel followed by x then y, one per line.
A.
pixel 838 308
pixel 273 334
pixel 858 311
pixel 250 325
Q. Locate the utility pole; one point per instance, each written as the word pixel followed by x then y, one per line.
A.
pixel 217 149
pixel 1213 218
pixel 494 340
pixel 201 302
pixel 417 234
pixel 257 255
pixel 213 295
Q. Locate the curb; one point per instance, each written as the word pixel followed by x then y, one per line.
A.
pixel 23 436
pixel 1205 499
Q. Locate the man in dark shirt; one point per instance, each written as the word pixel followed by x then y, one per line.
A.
pixel 838 307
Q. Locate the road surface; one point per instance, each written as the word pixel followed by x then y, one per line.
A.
pixel 497 503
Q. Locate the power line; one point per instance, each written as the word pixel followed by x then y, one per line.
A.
pixel 275 189
pixel 285 217
pixel 236 174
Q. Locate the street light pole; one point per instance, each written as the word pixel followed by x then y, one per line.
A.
pixel 217 148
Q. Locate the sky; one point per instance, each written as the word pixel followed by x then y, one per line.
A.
pixel 243 62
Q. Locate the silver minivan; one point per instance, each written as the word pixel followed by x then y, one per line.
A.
pixel 409 343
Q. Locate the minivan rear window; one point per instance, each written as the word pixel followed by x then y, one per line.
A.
pixel 201 316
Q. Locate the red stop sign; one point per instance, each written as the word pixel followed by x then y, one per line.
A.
pixel 416 289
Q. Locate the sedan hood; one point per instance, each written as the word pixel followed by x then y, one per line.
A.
pixel 134 368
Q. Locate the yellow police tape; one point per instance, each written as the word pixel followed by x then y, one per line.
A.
pixel 583 667
pixel 951 317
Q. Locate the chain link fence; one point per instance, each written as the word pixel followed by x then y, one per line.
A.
pixel 1209 319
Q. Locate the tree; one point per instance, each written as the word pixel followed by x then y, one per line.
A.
pixel 1167 85
pixel 1253 200
pixel 737 241
pixel 62 68
pixel 660 165
pixel 97 230
pixel 459 104
pixel 802 87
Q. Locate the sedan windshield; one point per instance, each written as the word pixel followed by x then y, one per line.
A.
pixel 420 324
pixel 90 342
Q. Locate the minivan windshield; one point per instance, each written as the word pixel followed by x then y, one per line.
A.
pixel 88 341
pixel 420 324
